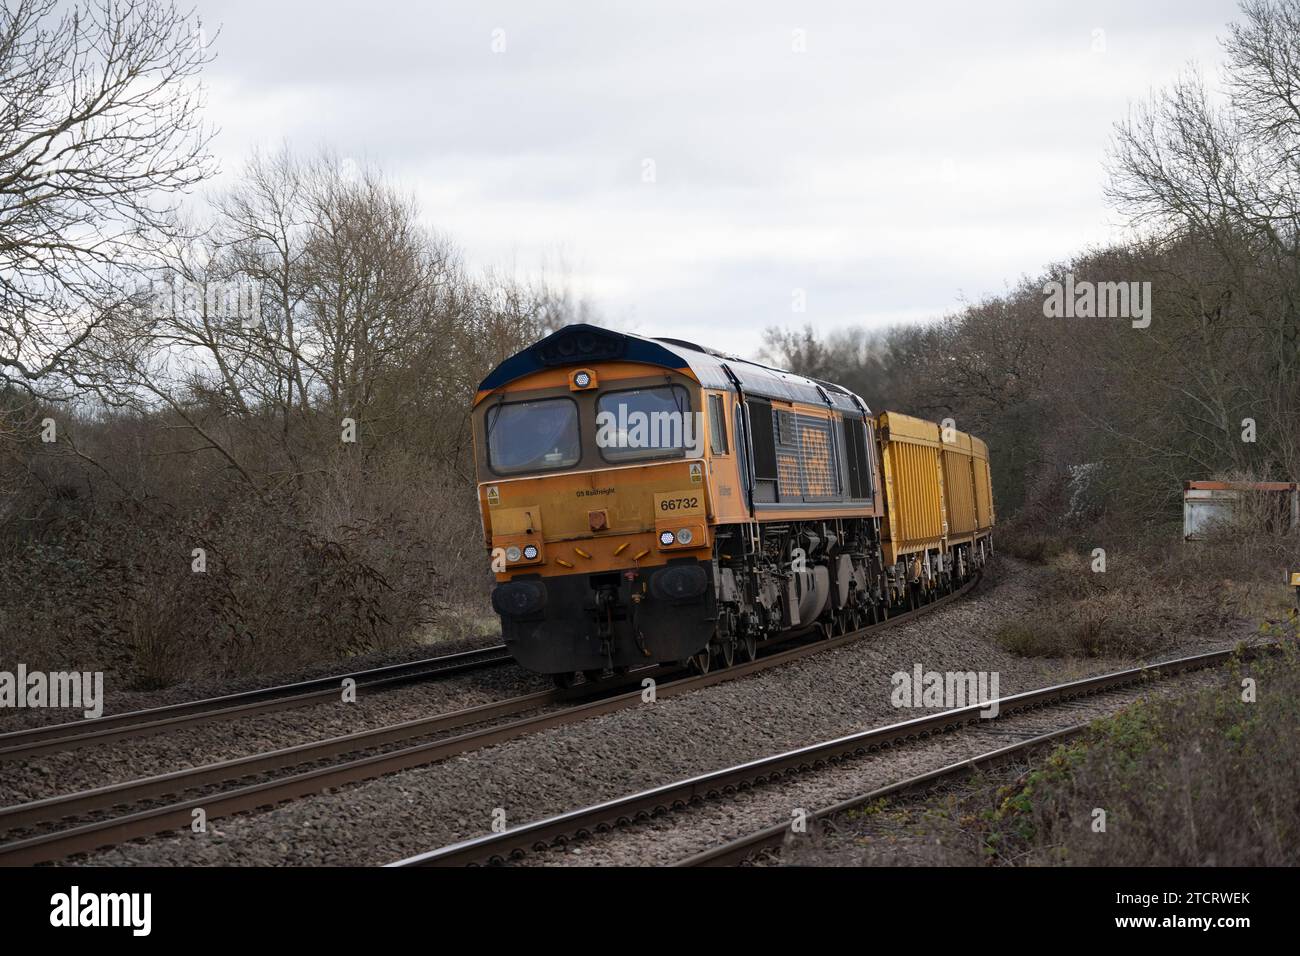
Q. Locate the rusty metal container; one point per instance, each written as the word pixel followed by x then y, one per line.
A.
pixel 1206 503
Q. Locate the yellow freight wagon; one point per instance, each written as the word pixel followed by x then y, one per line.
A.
pixel 938 504
pixel 910 449
pixel 959 486
pixel 984 515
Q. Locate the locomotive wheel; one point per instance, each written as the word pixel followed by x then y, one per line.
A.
pixel 749 647
pixel 700 663
pixel 565 681
pixel 724 642
pixel 592 676
pixel 726 655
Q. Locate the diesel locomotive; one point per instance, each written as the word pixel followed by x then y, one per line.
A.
pixel 648 501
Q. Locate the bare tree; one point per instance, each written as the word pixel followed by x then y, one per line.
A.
pixel 1223 179
pixel 100 135
pixel 263 222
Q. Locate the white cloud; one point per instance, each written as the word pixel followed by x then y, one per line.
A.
pixel 909 157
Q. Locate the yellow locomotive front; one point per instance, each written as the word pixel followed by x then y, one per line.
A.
pixel 650 501
pixel 595 489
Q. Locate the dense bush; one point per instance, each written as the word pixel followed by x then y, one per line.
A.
pixel 1201 780
pixel 357 559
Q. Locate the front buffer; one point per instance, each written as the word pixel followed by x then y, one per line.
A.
pixel 615 619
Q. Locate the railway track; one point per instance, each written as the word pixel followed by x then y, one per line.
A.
pixel 172 814
pixel 741 850
pixel 516 843
pixel 21 744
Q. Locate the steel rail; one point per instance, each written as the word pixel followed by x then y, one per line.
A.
pixel 60 807
pixel 497 848
pixel 95 835
pixel 34 741
pixel 737 851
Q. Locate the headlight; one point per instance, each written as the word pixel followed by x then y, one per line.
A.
pixel 512 553
pixel 582 380
pixel 685 536
pixel 666 538
pixel 530 552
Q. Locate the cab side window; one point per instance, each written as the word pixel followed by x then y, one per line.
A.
pixel 717 426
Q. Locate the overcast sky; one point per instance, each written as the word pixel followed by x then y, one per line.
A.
pixel 913 156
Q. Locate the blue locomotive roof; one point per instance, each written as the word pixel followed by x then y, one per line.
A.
pixel 584 344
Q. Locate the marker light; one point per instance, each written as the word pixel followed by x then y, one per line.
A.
pixel 666 538
pixel 512 553
pixel 685 536
pixel 581 379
